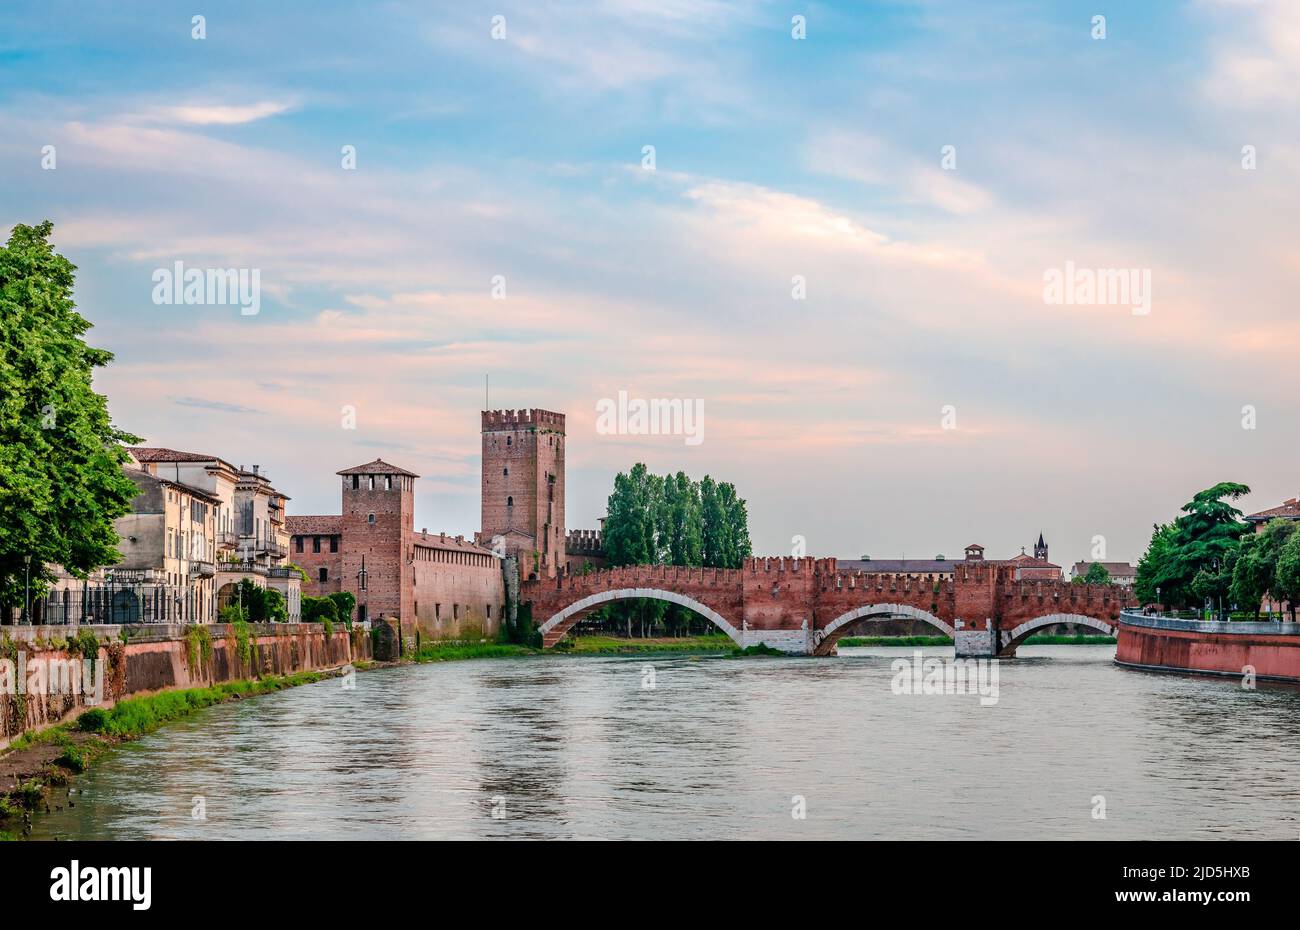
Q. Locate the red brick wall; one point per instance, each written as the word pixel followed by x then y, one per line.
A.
pixel 463 597
pixel 313 562
pixel 525 506
pixel 383 543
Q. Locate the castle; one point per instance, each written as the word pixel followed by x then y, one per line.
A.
pixel 448 586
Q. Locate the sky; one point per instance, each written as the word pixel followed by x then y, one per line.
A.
pixel 915 392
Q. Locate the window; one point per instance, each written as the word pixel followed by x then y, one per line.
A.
pixel 388 482
pixel 356 482
pixel 508 442
pixel 505 472
pixel 324 575
pixel 510 501
pixel 371 482
pixel 370 518
pixel 297 544
pixel 361 613
pixel 315 544
pixel 334 544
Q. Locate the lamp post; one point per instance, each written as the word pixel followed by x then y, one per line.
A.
pixel 27 590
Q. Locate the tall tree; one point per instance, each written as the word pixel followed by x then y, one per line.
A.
pixel 1286 584
pixel 61 457
pixel 1255 572
pixel 1208 530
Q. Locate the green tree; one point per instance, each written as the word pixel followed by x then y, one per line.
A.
pixel 61 479
pixel 344 603
pixel 1252 573
pixel 1096 574
pixel 1208 530
pixel 318 609
pixel 1286 584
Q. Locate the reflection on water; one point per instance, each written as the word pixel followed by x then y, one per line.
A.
pixel 576 747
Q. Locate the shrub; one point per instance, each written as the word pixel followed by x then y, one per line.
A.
pixel 93 720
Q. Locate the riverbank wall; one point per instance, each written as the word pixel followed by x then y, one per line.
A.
pixel 1269 650
pixel 44 679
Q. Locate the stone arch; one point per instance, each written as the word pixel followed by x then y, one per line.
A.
pixel 1016 636
pixel 559 623
pixel 829 635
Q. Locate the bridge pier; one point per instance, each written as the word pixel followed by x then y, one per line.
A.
pixel 976 644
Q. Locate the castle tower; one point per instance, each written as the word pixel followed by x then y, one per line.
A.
pixel 377 524
pixel 1040 549
pixel 523 487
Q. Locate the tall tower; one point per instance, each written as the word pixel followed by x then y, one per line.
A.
pixel 1040 549
pixel 378 522
pixel 523 487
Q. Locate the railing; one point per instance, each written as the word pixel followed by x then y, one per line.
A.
pixel 1155 621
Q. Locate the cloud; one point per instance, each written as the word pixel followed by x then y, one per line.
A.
pixel 212 114
pixel 1257 63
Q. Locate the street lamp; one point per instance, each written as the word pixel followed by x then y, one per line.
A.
pixel 27 590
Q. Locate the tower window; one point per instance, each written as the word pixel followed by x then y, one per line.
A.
pixel 508 440
pixel 388 482
pixel 324 575
pixel 510 501
pixel 370 518
pixel 356 482
pixel 505 472
pixel 315 544
pixel 370 483
pixel 334 544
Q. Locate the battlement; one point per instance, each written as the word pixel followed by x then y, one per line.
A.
pixel 584 542
pixel 523 419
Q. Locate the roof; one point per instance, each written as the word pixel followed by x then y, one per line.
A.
pixel 1024 560
pixel 157 454
pixel 328 525
pixel 377 467
pixel 1113 568
pixel 443 541
pixel 1288 510
pixel 914 566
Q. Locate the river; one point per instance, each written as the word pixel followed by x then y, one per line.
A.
pixel 569 747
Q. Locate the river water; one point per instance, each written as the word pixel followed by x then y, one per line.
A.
pixel 568 747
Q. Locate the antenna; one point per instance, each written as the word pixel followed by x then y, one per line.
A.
pixel 486 405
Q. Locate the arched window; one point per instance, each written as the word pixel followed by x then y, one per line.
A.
pixel 510 501
pixel 505 472
pixel 508 440
pixel 370 518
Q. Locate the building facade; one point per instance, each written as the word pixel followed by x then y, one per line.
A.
pixel 197 527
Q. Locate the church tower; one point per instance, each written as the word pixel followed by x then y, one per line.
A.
pixel 1040 549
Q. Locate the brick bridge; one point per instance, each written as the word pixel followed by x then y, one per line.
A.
pixel 806 605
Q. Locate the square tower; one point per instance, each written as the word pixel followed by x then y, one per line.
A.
pixel 523 487
pixel 377 524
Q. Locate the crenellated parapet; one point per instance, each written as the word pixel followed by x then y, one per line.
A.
pixel 523 419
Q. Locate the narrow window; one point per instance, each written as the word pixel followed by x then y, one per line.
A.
pixel 370 518
pixel 505 472
pixel 297 544
pixel 388 482
pixel 324 575
pixel 334 544
pixel 315 544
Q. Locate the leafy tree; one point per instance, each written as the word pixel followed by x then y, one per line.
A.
pixel 344 603
pixel 1208 530
pixel 318 610
pixel 1255 572
pixel 1096 574
pixel 61 479
pixel 1286 584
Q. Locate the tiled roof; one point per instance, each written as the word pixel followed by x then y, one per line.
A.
pixel 1288 510
pixel 156 454
pixel 913 566
pixel 443 541
pixel 377 467
pixel 327 525
pixel 1024 560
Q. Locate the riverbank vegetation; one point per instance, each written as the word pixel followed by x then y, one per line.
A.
pixel 1208 559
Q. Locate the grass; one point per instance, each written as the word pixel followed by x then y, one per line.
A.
pixel 615 645
pixel 437 651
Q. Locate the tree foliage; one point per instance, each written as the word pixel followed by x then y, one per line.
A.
pixel 1209 529
pixel 61 457
pixel 672 520
pixel 1096 574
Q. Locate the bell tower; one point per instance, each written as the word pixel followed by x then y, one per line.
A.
pixel 1040 549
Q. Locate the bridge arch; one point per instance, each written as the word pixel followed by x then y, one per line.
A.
pixel 829 635
pixel 1019 634
pixel 559 623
